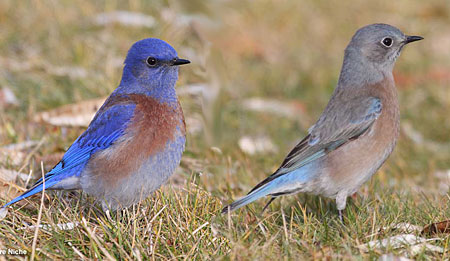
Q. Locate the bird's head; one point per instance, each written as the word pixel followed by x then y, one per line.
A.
pixel 380 44
pixel 152 65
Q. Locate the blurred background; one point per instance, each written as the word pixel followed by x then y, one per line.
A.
pixel 261 74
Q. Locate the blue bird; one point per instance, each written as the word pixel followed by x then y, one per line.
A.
pixel 357 131
pixel 136 139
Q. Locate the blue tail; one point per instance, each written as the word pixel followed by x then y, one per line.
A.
pixel 52 179
pixel 38 187
pixel 254 195
pixel 284 184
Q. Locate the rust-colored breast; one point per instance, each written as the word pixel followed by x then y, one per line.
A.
pixel 153 125
pixel 357 160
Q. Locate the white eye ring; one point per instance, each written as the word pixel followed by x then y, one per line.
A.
pixel 151 61
pixel 387 41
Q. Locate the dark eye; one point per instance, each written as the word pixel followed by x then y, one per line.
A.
pixel 151 61
pixel 387 42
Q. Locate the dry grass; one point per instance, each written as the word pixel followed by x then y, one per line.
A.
pixel 52 53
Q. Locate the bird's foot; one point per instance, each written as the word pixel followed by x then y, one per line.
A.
pixel 267 205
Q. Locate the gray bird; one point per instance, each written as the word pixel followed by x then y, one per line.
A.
pixel 357 131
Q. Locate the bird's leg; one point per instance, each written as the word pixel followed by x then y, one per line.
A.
pixel 108 215
pixel 268 203
pixel 340 216
pixel 341 200
pixel 107 210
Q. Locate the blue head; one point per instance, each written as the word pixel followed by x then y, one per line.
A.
pixel 151 68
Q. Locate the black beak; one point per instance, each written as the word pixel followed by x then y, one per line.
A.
pixel 412 38
pixel 178 61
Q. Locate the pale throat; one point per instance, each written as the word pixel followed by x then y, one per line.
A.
pixel 159 85
pixel 358 71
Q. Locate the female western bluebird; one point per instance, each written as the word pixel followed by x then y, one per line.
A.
pixel 136 139
pixel 357 131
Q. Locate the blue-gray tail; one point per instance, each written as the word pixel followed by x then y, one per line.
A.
pixel 275 185
pixel 252 196
pixel 38 187
pixel 52 181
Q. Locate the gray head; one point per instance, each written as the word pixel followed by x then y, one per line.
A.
pixel 380 43
pixel 371 54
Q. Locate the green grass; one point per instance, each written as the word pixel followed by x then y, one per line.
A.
pixel 283 50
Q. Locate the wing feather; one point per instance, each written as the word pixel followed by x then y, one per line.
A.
pixel 108 124
pixel 335 128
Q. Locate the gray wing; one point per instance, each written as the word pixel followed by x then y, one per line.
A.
pixel 336 126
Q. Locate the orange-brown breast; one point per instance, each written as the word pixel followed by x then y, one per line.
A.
pixel 356 161
pixel 154 125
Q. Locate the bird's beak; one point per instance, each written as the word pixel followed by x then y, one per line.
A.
pixel 179 61
pixel 412 38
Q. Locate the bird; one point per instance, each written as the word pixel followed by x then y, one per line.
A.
pixel 135 140
pixel 356 132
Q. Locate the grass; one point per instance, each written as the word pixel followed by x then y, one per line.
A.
pixel 289 51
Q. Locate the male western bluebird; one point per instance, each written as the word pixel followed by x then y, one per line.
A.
pixel 357 131
pixel 136 139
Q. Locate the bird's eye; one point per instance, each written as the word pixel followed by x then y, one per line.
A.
pixel 151 61
pixel 387 41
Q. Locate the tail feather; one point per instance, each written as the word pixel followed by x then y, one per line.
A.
pixel 38 187
pixel 57 178
pixel 254 195
pixel 288 183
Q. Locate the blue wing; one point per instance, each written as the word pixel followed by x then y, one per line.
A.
pixel 108 124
